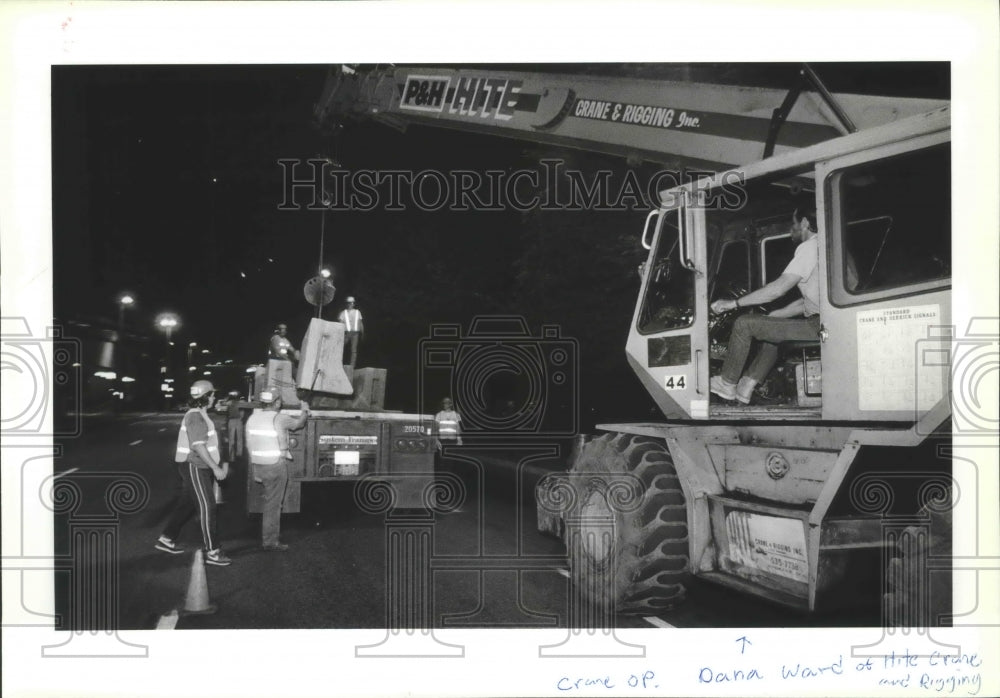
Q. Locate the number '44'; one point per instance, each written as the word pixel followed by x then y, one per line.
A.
pixel 675 382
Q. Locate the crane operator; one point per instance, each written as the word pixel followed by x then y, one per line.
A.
pixel 798 320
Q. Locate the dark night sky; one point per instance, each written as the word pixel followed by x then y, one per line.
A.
pixel 166 184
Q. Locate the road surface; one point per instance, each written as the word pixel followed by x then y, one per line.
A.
pixel 488 566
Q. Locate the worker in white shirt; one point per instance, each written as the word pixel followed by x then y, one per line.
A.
pixel 354 328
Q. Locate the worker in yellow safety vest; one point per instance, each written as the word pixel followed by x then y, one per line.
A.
pixel 449 425
pixel 354 328
pixel 267 440
pixel 198 465
pixel 281 347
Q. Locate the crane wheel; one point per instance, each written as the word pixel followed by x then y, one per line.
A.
pixel 918 575
pixel 626 533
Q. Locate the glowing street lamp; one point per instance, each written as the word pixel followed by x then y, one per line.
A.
pixel 124 301
pixel 167 323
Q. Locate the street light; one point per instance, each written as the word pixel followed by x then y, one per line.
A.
pixel 167 322
pixel 124 301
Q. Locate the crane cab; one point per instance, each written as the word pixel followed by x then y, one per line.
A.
pixel 883 207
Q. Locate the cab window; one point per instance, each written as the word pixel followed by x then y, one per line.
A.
pixel 669 300
pixel 733 277
pixel 895 225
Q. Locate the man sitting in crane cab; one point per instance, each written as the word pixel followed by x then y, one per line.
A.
pixel 797 321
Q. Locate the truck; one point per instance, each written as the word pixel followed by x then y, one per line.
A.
pixel 349 435
pixel 826 478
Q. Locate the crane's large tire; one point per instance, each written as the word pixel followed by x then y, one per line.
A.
pixel 918 595
pixel 645 562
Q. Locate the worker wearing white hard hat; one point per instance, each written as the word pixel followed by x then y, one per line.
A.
pixel 267 442
pixel 198 465
pixel 354 328
pixel 281 347
pixel 449 425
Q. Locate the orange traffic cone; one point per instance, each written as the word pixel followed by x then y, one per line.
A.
pixel 197 603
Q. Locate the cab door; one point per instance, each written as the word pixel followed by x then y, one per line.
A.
pixel 668 339
pixel 886 259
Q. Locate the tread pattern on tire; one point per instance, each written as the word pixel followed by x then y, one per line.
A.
pixel 648 562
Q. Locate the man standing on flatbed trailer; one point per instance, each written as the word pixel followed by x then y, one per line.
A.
pixel 354 328
pixel 281 347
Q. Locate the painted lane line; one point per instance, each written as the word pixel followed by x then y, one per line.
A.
pixel 145 418
pixel 168 622
pixel 136 443
pixel 65 472
pixel 658 622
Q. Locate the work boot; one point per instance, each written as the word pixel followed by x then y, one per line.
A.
pixel 744 389
pixel 722 388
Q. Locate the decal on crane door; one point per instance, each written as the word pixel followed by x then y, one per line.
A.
pixel 893 373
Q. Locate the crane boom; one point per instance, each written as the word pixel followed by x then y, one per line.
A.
pixel 674 123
